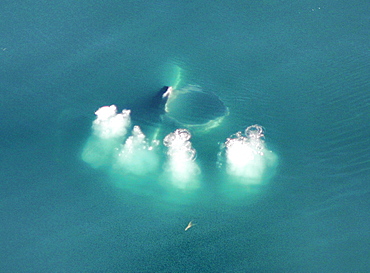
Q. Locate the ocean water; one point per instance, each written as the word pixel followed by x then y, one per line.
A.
pixel 300 69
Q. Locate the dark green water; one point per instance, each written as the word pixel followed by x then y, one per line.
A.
pixel 300 69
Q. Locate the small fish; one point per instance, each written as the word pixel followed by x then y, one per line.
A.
pixel 189 225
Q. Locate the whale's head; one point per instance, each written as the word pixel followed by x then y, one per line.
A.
pixel 160 99
pixel 167 91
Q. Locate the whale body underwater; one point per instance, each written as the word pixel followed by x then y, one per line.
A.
pixel 149 114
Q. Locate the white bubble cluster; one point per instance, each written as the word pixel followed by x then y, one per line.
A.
pixel 247 156
pixel 182 171
pixel 108 131
pixel 109 124
pixel 179 146
pixel 136 156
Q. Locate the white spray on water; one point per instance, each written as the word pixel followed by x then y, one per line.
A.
pixel 181 168
pixel 136 156
pixel 247 156
pixel 108 131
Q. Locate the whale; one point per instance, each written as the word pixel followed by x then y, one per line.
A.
pixel 148 114
pixel 179 104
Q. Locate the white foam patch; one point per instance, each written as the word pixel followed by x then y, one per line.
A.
pixel 136 156
pixel 108 124
pixel 180 168
pixel 109 130
pixel 247 156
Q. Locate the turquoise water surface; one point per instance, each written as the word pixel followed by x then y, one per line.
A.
pixel 293 200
